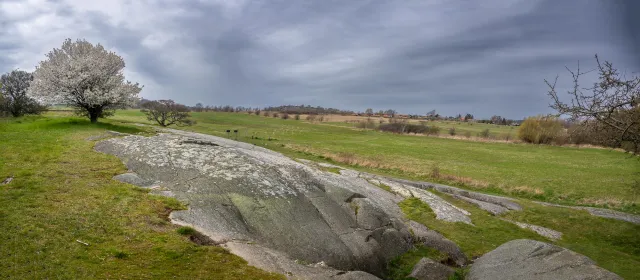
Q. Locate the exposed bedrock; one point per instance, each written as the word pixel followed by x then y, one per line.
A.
pixel 250 196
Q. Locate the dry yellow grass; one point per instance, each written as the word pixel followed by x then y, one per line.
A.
pixel 379 163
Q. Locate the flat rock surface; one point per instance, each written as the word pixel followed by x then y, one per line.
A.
pixel 504 202
pixel 525 259
pixel 546 232
pixel 600 212
pixel 238 193
pixel 444 210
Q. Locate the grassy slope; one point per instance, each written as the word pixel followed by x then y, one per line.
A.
pixel 614 245
pixel 557 174
pixel 63 192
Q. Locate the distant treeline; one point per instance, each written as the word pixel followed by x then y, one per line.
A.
pixel 308 110
pixel 319 110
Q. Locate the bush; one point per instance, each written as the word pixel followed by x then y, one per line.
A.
pixel 368 124
pixel 435 171
pixel 284 116
pixel 416 128
pixel 297 117
pixel 184 230
pixel 404 127
pixel 452 131
pixel 433 130
pixel 167 112
pixel 13 95
pixel 257 112
pixel 467 134
pixel 266 113
pixel 542 130
pixel 485 133
pixel 392 127
pixel 274 114
pixel 311 117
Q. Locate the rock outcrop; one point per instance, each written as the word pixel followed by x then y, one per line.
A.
pixel 427 269
pixel 290 217
pixel 256 201
pixel 525 259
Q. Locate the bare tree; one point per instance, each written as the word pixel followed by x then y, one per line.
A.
pixel 167 112
pixel 368 112
pixel 391 113
pixel 612 102
pixel 13 92
pixel 85 76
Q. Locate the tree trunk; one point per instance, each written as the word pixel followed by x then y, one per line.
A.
pixel 94 113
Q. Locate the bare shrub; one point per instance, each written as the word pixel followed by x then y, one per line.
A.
pixel 433 130
pixel 541 130
pixel 467 134
pixel 274 114
pixel 297 117
pixel 452 131
pixel 257 112
pixel 416 129
pixel 366 124
pixel 311 118
pixel 284 116
pixel 612 106
pixel 393 127
pixel 484 134
pixel 167 112
pixel 508 137
pixel 435 171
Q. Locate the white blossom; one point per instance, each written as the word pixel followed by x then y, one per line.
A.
pixel 85 76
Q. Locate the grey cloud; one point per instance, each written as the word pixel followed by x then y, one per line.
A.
pixel 453 56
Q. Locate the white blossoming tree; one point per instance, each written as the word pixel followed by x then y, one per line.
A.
pixel 86 77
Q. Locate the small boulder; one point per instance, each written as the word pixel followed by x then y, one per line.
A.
pixel 525 259
pixel 427 269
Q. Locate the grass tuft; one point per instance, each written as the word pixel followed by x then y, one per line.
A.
pixel 185 230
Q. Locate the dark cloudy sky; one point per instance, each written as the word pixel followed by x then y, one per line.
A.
pixel 456 56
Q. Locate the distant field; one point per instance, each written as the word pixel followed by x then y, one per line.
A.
pixel 496 131
pixel 567 175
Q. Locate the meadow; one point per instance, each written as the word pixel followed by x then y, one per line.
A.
pixel 63 217
pixel 567 175
pixel 62 196
pixel 462 129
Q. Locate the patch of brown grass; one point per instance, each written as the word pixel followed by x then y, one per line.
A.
pixel 379 163
pixel 526 190
pixel 602 201
pixel 466 181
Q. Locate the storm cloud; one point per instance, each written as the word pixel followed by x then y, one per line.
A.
pixel 458 56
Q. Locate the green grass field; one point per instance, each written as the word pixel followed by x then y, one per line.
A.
pixel 567 175
pixel 62 191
